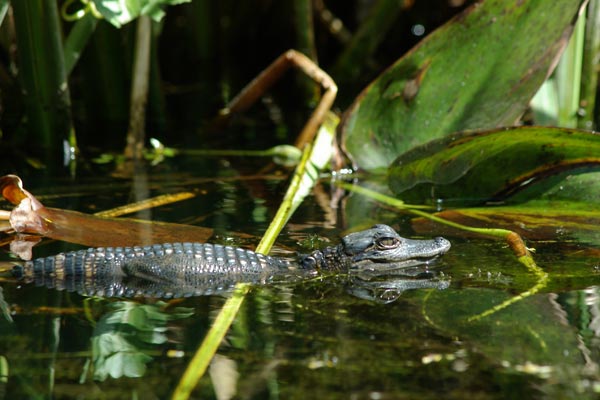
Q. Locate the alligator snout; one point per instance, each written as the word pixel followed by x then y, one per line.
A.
pixel 442 244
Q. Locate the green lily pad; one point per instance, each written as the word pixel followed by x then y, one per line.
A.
pixel 494 164
pixel 478 71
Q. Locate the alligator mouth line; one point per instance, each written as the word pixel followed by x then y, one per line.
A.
pixel 424 259
pixel 421 259
pixel 388 266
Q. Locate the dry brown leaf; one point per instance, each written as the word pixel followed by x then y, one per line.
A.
pixel 31 216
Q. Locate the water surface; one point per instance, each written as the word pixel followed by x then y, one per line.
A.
pixel 327 337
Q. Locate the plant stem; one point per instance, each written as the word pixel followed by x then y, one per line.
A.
pixel 305 44
pixel 252 92
pixel 78 39
pixel 365 41
pixel 589 71
pixel 303 179
pixel 139 89
pixel 43 75
pixel 513 239
pixel 568 77
pixel 3 9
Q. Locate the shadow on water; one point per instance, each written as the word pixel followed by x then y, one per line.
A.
pixel 329 336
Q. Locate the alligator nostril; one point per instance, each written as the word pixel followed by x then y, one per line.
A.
pixel 441 241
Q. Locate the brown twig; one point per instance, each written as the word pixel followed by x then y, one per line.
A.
pixel 259 85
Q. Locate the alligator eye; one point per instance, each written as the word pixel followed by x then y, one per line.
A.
pixel 386 243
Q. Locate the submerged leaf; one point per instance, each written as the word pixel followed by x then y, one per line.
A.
pixel 494 164
pixel 478 71
pixel 30 216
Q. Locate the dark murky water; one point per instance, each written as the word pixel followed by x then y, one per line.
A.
pixel 323 338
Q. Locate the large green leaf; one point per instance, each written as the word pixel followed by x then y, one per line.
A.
pixel 477 71
pixel 493 164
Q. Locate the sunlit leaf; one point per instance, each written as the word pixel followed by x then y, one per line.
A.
pixel 494 164
pixel 155 8
pixel 121 12
pixel 478 71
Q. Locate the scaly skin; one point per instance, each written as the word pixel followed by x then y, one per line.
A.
pixel 191 269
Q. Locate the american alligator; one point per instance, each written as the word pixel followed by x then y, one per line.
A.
pixel 192 269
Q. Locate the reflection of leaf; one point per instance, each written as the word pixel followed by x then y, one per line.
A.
pixel 123 336
pixel 30 216
pixel 529 331
pixel 492 164
pixel 4 307
pixel 131 365
pixel 114 356
pixel 144 317
pixel 478 71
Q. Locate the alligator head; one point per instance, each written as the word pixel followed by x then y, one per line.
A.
pixel 380 249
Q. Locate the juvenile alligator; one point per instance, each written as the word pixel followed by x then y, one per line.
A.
pixel 191 269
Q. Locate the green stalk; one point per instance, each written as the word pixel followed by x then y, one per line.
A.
pixel 3 9
pixel 202 17
pixel 288 205
pixel 156 100
pixel 568 77
pixel 589 72
pixel 139 89
pixel 199 363
pixel 4 370
pixel 513 240
pixel 314 157
pixel 557 101
pixel 78 39
pixel 305 43
pixel 303 19
pixel 105 70
pixel 197 366
pixel 284 151
pixel 415 210
pixel 203 38
pixel 43 77
pixel 365 41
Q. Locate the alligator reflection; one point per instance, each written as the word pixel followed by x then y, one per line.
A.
pixel 379 287
pixel 388 289
pixel 126 337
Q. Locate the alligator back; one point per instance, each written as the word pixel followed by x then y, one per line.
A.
pixel 164 270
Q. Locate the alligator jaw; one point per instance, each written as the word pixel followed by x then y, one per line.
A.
pixel 384 267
